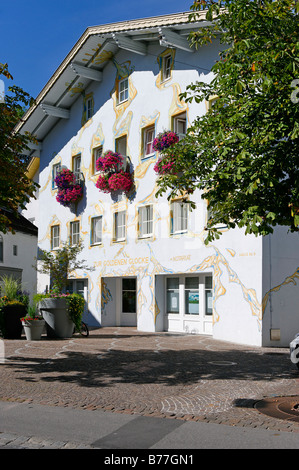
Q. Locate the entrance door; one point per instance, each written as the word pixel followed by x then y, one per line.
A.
pixel 189 303
pixel 128 301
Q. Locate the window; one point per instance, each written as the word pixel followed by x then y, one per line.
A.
pixel 148 139
pixel 96 153
pixel 121 145
pixel 96 230
pixel 1 248
pixel 179 217
pixel 15 250
pixel 145 221
pixel 55 237
pixel 123 90
pixel 208 295
pixel 77 167
pixel 191 296
pixel 129 295
pixel 75 232
pixel 173 294
pixel 55 170
pixel 179 124
pixel 119 226
pixel 89 108
pixel 166 67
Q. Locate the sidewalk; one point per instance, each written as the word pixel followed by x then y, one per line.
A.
pixel 183 377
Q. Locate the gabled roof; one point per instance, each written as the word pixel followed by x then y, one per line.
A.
pixel 88 57
pixel 19 223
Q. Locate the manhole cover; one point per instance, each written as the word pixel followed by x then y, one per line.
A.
pixel 280 407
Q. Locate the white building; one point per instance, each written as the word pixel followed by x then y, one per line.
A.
pixel 18 252
pixel 117 88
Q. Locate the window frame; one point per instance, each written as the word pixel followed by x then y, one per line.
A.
pixel 55 237
pixel 177 226
pixel 97 152
pixel 93 230
pixel 74 223
pixel 116 227
pixel 76 171
pixel 148 221
pixel 123 91
pixel 56 168
pixel 89 106
pixel 119 142
pixel 145 142
pixel 123 290
pixel 166 67
pixel 175 120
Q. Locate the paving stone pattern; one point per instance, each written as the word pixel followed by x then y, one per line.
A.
pixel 177 376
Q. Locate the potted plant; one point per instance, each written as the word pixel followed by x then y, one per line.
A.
pixel 33 324
pixel 61 310
pixel 69 190
pixel 114 173
pixel 165 140
pixel 13 306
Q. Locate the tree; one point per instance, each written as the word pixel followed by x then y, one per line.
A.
pixel 244 152
pixel 16 188
pixel 60 264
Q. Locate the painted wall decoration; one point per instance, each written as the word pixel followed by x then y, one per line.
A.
pixel 234 262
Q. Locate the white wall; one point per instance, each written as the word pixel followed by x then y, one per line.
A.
pixel 280 287
pixel 235 260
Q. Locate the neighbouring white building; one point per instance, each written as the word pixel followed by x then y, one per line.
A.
pixel 17 253
pixel 118 88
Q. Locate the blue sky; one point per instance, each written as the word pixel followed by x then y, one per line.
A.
pixel 36 35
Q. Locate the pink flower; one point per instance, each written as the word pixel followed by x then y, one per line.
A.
pixel 109 161
pixel 165 140
pixel 120 181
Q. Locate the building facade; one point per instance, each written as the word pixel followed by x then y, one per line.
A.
pixel 17 253
pixel 116 90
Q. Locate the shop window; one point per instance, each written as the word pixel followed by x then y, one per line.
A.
pixel 173 295
pixel 191 296
pixel 208 295
pixel 96 230
pixel 129 295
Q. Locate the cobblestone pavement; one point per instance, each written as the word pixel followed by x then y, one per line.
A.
pixel 177 376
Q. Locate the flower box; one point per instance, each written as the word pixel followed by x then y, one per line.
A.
pixel 165 140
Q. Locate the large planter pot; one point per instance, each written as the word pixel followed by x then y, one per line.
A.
pixel 55 314
pixel 33 329
pixel 12 321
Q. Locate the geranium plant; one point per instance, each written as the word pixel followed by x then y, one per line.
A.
pixel 109 161
pixel 165 140
pixel 69 191
pixel 113 177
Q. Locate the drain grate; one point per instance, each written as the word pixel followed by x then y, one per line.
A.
pixel 286 408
